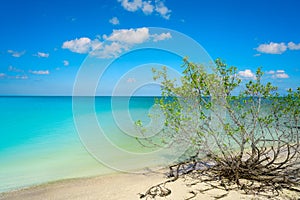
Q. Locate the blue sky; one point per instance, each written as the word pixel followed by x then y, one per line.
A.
pixel 45 43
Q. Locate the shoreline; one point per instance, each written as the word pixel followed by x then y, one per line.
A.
pixel 33 186
pixel 107 186
pixel 119 186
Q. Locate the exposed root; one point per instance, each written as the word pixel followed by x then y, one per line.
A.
pixel 262 178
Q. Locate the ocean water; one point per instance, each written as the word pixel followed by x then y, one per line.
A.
pixel 39 141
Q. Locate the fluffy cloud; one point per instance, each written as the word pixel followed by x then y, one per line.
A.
pixel 277 48
pixel 114 21
pixel 110 51
pixel 247 74
pixel 293 46
pixel 147 7
pixel 131 6
pixel 272 48
pixel 129 36
pixel 162 10
pixel 81 45
pixel 278 74
pixel 115 43
pixel 16 53
pixel 162 36
pixel 40 72
pixel 42 55
pixel 66 63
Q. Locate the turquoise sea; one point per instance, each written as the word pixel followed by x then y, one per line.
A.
pixel 39 141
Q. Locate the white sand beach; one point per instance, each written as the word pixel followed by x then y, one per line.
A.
pixel 124 186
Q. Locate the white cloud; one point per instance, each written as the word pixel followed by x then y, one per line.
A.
pixel 272 48
pixel 66 63
pixel 14 69
pixel 23 77
pixel 131 6
pixel 16 53
pixel 42 55
pixel 114 44
pixel 114 21
pixel 19 76
pixel 40 72
pixel 129 36
pixel 278 74
pixel 147 7
pixel 270 72
pixel 248 74
pixel 277 48
pixel 15 73
pixel 281 75
pixel 81 45
pixel 109 51
pixel 293 46
pixel 162 36
pixel 95 44
pixel 162 9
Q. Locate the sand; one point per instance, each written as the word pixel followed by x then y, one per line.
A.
pixel 119 187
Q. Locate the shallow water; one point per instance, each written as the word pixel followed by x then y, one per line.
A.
pixel 39 141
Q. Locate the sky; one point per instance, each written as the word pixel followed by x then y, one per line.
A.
pixel 47 46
